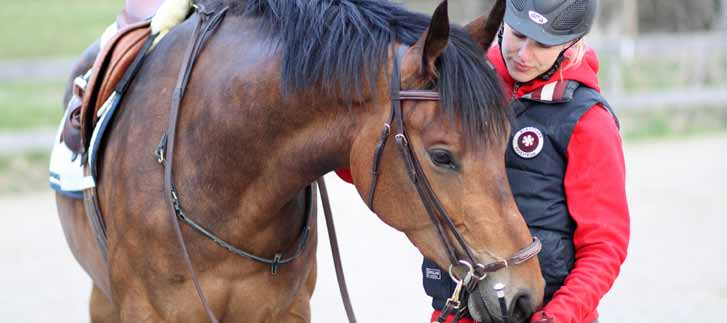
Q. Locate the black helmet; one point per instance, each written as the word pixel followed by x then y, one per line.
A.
pixel 551 22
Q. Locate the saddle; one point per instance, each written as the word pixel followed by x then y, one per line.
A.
pixel 92 90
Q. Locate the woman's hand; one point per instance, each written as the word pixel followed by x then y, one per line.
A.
pixel 542 317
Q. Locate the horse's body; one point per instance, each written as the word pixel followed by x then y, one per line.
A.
pixel 246 148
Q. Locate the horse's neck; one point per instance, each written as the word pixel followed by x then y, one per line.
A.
pixel 248 151
pixel 251 162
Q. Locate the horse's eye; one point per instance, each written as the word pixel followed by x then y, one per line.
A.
pixel 442 158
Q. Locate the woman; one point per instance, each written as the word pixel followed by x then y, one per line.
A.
pixel 565 160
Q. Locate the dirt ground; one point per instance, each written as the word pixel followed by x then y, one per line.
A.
pixel 674 271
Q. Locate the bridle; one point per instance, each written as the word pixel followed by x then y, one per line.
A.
pixel 474 271
pixel 206 25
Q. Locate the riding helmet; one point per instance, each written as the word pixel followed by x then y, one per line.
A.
pixel 551 22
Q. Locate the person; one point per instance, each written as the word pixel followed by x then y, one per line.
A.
pixel 565 159
pixel 137 10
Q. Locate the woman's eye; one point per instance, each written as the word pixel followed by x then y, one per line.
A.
pixel 544 46
pixel 442 158
pixel 518 35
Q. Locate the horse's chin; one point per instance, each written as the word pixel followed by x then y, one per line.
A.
pixel 487 310
pixel 478 309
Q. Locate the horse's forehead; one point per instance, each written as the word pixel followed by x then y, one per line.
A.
pixel 434 125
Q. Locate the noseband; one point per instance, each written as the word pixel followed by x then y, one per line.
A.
pixel 437 214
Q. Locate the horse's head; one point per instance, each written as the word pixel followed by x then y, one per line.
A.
pixel 444 158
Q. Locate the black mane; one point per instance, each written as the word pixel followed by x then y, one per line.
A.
pixel 339 45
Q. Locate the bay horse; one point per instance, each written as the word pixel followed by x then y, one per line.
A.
pixel 282 93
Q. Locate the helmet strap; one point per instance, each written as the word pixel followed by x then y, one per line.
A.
pixel 549 73
pixel 499 34
pixel 558 61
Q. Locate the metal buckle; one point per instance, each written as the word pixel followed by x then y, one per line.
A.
pixel 467 277
pixel 476 273
pixel 401 139
pixel 160 155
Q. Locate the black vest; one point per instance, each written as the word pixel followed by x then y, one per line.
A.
pixel 536 162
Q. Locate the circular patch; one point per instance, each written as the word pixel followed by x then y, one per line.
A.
pixel 537 18
pixel 528 142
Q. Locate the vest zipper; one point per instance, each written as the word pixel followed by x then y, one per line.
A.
pixel 514 90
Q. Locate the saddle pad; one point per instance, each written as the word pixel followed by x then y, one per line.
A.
pixel 66 171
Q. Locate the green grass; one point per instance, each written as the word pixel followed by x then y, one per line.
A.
pixel 28 105
pixel 53 28
pixel 25 172
pixel 659 124
pixel 661 74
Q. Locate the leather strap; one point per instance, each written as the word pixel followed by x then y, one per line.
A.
pixel 90 196
pixel 419 95
pixel 205 23
pixel 167 143
pixel 519 257
pixel 335 251
pixel 279 258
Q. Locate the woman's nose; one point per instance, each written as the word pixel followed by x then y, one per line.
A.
pixel 525 51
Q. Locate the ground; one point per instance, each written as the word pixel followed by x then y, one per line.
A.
pixel 674 271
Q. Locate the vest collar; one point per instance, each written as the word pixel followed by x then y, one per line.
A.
pixel 553 92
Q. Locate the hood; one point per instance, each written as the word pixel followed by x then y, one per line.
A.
pixel 586 73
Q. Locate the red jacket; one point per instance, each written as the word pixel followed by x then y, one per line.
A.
pixel 595 194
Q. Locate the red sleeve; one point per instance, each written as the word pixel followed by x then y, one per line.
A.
pixel 345 174
pixel 435 316
pixel 596 196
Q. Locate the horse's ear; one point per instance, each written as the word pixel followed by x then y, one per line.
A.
pixel 433 41
pixel 483 29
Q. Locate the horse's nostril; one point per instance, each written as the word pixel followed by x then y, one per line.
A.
pixel 522 309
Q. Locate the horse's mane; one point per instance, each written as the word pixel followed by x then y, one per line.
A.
pixel 341 45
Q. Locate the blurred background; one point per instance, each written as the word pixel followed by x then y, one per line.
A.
pixel 663 68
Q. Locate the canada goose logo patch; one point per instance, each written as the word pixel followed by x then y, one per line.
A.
pixel 528 142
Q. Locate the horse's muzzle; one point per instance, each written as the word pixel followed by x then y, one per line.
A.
pixel 487 309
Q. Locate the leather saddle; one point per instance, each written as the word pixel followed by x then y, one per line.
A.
pixel 92 90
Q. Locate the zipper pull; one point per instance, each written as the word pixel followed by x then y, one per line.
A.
pixel 514 90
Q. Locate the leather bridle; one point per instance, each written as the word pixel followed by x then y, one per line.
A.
pixel 208 21
pixel 437 214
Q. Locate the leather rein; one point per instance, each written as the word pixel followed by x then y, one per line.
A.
pixel 437 214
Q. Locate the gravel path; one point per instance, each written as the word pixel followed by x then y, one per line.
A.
pixel 674 272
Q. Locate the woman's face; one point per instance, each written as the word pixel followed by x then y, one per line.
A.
pixel 525 58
